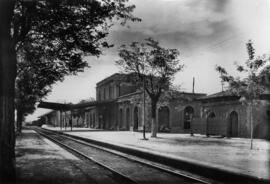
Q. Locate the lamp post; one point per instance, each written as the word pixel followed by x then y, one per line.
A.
pixel 191 130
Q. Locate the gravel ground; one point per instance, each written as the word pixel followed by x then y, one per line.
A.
pixel 38 160
pixel 232 154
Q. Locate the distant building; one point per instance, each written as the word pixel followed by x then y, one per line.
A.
pixel 223 114
pixel 50 118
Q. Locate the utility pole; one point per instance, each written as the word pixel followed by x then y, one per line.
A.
pixel 191 115
pixel 193 85
pixel 222 86
pixel 70 120
pixel 61 119
pixel 65 120
pixel 144 138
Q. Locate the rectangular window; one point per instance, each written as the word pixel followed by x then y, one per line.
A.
pixel 110 92
pixel 99 95
pixel 104 94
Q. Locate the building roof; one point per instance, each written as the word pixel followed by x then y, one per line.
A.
pixel 218 95
pixel 107 79
pixel 42 115
pixel 189 93
pixel 123 77
pixel 90 104
pixel 228 95
pixel 171 95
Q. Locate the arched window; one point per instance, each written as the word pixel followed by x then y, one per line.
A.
pixel 211 115
pixel 104 93
pixel 110 92
pixel 99 95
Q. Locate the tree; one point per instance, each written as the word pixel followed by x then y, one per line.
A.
pixel 252 85
pixel 154 68
pixel 62 32
pixel 7 79
pixel 77 29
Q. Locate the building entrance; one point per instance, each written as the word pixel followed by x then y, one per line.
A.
pixel 163 118
pixel 136 119
pixel 233 124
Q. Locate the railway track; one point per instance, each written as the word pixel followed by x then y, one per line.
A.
pixel 126 168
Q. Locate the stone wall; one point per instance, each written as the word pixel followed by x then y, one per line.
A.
pixel 221 123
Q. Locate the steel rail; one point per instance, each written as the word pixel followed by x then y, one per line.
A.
pixel 167 169
pixel 118 174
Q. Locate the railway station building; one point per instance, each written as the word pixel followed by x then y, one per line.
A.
pixel 119 106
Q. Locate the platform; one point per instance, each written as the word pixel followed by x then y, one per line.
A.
pixel 233 155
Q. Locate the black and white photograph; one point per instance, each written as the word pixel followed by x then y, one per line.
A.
pixel 135 91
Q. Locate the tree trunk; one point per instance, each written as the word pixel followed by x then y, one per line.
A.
pixel 19 120
pixel 251 124
pixel 153 118
pixel 7 91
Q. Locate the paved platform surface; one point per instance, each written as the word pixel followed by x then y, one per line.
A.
pixel 39 160
pixel 232 154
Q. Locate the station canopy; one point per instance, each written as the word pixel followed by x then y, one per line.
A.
pixel 70 106
pixel 54 106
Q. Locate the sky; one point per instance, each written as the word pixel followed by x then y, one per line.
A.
pixel 206 32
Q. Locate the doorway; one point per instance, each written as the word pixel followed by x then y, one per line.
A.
pixel 163 118
pixel 136 119
pixel 188 113
pixel 233 124
pixel 120 119
pixel 127 119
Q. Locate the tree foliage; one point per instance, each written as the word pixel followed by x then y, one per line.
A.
pixel 61 33
pixel 52 38
pixel 34 81
pixel 150 62
pixel 256 70
pixel 153 66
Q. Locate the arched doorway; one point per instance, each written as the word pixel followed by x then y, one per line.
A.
pixel 233 124
pixel 94 121
pixel 188 113
pixel 105 118
pixel 135 119
pixel 127 119
pixel 90 120
pixel 210 124
pixel 163 118
pixel 120 118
